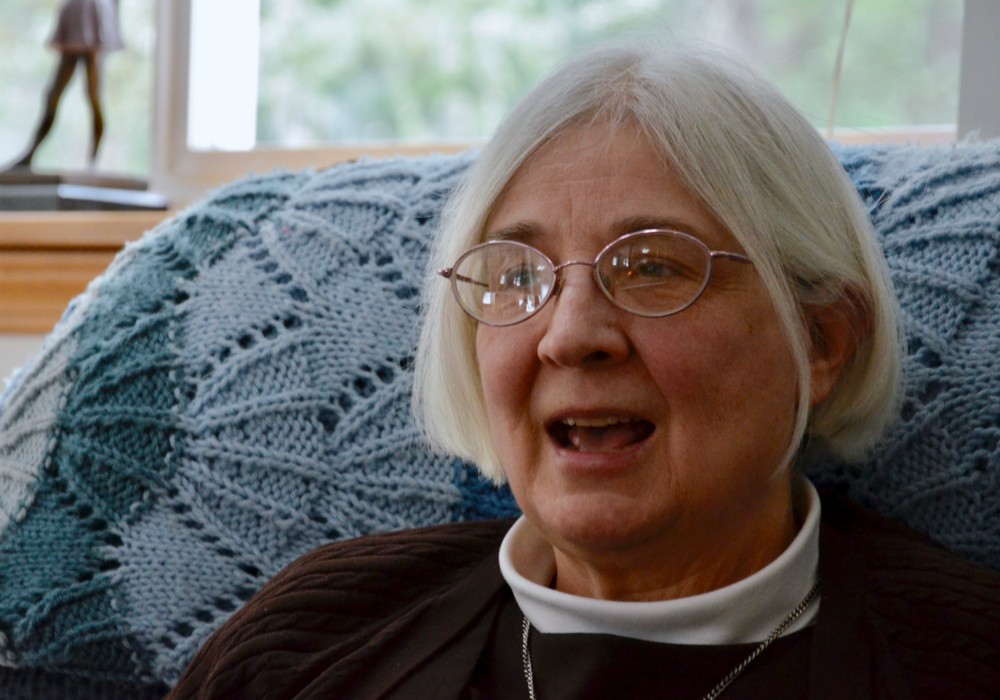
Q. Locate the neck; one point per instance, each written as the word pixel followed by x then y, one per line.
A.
pixel 688 562
pixel 744 612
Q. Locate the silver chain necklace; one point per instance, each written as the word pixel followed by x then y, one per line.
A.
pixel 529 675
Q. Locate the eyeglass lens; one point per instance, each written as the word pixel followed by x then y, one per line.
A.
pixel 654 274
pixel 650 274
pixel 502 282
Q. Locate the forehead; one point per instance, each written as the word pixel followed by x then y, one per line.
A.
pixel 594 183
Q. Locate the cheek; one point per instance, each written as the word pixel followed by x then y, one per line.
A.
pixel 720 377
pixel 506 369
pixel 493 362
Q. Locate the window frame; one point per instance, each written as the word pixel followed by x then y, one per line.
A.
pixel 183 174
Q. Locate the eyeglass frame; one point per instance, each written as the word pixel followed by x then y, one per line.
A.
pixel 448 273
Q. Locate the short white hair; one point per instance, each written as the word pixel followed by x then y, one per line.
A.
pixel 760 168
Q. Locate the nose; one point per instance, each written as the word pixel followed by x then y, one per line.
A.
pixel 583 328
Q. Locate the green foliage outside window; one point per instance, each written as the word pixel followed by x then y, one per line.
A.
pixel 381 70
pixel 335 70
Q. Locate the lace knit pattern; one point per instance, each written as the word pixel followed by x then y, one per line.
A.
pixel 234 391
pixel 937 212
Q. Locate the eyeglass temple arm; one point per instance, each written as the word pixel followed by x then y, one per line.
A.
pixel 447 272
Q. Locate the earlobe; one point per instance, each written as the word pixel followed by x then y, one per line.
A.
pixel 835 332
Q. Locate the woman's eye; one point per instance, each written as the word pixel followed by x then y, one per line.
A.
pixel 653 268
pixel 516 277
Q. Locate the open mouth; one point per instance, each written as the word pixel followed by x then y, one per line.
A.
pixel 599 434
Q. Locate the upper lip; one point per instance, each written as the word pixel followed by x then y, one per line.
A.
pixel 598 422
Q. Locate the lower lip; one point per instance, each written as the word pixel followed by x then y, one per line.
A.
pixel 601 463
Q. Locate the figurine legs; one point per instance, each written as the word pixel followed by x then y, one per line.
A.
pixel 63 74
pixel 92 61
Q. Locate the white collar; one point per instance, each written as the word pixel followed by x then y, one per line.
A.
pixel 743 612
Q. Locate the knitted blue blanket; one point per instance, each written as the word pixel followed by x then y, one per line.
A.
pixel 234 391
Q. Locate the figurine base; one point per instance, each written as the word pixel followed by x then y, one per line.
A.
pixel 23 189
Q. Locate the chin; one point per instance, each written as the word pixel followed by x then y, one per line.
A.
pixel 596 522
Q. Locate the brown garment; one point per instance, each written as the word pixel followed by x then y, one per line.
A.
pixel 411 614
pixel 601 666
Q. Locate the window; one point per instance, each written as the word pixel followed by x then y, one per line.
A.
pixel 334 79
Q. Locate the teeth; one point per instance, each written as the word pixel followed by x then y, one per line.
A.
pixel 594 422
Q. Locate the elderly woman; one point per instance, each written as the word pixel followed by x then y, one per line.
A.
pixel 662 295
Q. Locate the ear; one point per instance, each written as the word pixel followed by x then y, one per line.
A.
pixel 835 332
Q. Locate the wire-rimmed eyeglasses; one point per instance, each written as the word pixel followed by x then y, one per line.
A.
pixel 653 272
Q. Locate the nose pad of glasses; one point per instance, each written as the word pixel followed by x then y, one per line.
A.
pixel 599 281
pixel 556 287
pixel 560 281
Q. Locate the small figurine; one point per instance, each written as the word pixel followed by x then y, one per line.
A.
pixel 85 31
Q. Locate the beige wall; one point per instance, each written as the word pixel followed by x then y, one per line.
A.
pixel 15 351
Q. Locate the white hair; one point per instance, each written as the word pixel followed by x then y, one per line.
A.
pixel 760 168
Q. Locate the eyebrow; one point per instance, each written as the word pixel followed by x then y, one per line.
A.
pixel 642 223
pixel 525 232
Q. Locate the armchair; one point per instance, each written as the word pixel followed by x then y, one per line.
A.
pixel 234 391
